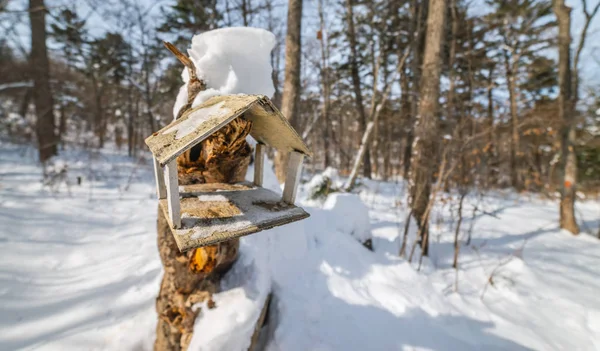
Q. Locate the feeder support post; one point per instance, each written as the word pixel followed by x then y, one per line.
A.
pixel 173 194
pixel 159 175
pixel 259 164
pixel 292 177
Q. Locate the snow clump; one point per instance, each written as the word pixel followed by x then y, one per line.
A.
pixel 322 184
pixel 233 60
pixel 352 213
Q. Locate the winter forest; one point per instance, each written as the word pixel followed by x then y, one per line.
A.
pixel 300 175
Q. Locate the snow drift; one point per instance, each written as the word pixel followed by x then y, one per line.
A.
pixel 82 272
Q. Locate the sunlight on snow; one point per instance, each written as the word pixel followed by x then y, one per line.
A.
pixel 196 119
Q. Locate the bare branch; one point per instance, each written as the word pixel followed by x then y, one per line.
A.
pixel 182 58
pixel 374 119
pixel 581 43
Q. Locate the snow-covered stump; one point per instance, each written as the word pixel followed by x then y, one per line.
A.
pixel 205 205
pixel 356 214
pixel 189 278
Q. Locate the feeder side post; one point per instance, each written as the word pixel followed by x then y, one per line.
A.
pixel 292 177
pixel 173 194
pixel 259 164
pixel 159 175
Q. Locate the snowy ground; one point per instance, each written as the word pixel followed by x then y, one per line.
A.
pixel 80 271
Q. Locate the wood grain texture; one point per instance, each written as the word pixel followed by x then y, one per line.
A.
pixel 173 205
pixel 292 177
pixel 232 213
pixel 259 164
pixel 159 176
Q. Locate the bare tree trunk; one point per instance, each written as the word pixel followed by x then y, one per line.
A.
pixel 418 13
pixel 463 193
pixel 325 84
pixel 490 176
pixel 62 126
pixel 466 118
pixel 452 109
pixel 130 121
pixel 376 111
pixel 42 94
pixel 514 122
pixel 358 98
pixel 148 90
pixel 274 54
pixel 405 111
pixel 24 108
pixel 99 123
pixel 423 157
pixel 245 12
pixel 291 84
pixel 566 114
pixel 387 147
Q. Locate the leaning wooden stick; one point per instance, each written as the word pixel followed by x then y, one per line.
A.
pixel 195 84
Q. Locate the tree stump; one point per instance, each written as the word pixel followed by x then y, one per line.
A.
pixel 192 277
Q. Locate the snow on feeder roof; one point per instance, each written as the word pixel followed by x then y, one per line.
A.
pixel 206 214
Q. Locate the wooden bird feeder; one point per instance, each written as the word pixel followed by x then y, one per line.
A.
pixel 206 214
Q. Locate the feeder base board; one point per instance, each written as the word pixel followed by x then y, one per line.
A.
pixel 211 213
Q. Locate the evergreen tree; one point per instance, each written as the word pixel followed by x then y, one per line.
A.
pixel 189 17
pixel 522 28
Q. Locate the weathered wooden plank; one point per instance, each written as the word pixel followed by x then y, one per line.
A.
pixel 269 126
pixel 292 177
pixel 259 164
pixel 198 189
pixel 159 176
pixel 211 216
pixel 172 185
pixel 196 125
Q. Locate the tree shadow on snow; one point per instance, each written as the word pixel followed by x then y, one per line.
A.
pixel 330 320
pixel 362 300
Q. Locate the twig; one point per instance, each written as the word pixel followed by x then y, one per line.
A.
pixel 183 59
pixel 195 85
pixel 131 174
pixel 402 252
pixel 457 231
pixel 516 253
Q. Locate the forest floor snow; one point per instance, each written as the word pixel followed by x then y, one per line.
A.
pixel 79 270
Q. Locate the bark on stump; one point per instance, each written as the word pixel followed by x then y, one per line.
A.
pixel 189 278
pixel 193 276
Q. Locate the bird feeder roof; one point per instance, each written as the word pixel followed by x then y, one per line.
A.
pixel 269 126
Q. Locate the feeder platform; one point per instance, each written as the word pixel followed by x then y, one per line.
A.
pixel 215 212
